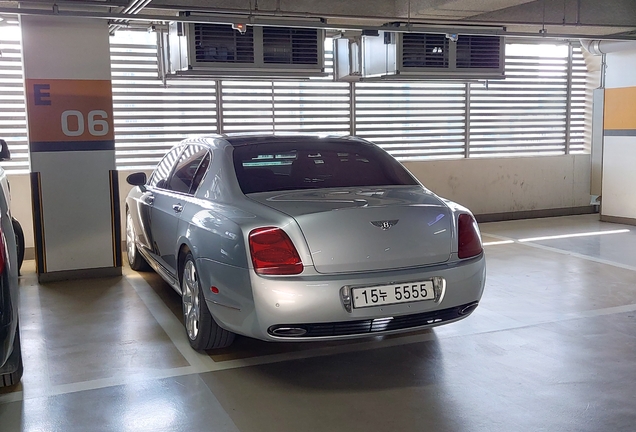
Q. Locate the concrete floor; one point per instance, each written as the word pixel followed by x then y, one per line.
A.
pixel 552 347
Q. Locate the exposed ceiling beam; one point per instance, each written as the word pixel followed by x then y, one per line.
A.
pixel 337 21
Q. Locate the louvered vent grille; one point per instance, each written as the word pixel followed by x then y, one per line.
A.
pixel 413 120
pixel 480 52
pixel 13 126
pixel 421 50
pixel 218 43
pixel 290 46
pixel 150 117
pixel 581 99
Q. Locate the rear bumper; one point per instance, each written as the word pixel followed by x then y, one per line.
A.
pixel 314 302
pixel 370 327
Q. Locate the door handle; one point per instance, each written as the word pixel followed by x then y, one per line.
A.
pixel 178 208
pixel 149 199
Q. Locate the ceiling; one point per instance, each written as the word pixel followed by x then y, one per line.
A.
pixel 536 18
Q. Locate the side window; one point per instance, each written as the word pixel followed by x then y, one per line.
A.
pixel 203 168
pixel 160 175
pixel 184 173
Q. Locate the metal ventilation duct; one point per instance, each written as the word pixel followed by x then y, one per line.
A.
pixel 600 47
pixel 218 50
pixel 408 56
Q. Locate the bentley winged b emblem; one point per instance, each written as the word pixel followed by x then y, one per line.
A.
pixel 386 224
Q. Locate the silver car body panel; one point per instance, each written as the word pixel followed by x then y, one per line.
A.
pixel 10 288
pixel 215 222
pixel 251 303
pixel 417 226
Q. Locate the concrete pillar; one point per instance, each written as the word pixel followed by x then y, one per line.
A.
pixel 618 198
pixel 72 148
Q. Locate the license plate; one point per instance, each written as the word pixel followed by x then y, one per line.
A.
pixel 391 294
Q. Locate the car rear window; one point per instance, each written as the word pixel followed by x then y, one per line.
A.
pixel 267 167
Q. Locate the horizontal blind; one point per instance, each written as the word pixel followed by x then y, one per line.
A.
pixel 13 126
pixel 313 105
pixel 583 84
pixel 413 121
pixel 521 115
pixel 524 114
pixel 149 117
pixel 247 106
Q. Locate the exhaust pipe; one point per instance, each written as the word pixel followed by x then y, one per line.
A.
pixel 468 309
pixel 288 331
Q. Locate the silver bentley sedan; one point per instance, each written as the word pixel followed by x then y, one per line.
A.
pixel 299 238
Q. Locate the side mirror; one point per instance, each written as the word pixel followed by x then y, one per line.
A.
pixel 4 150
pixel 137 179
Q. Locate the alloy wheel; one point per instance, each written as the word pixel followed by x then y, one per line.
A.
pixel 191 305
pixel 130 239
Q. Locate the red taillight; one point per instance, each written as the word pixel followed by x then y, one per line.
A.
pixel 469 241
pixel 273 253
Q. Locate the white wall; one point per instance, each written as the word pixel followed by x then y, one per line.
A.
pixel 486 186
pixel 620 68
pixel 510 185
pixel 21 205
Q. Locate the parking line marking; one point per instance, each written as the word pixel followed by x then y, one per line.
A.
pixel 201 363
pixel 62 389
pixel 169 323
pixel 565 252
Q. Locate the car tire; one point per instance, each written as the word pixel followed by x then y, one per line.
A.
pixel 135 260
pixel 12 378
pixel 202 331
pixel 19 241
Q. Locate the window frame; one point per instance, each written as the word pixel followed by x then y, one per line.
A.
pixel 178 150
pixel 200 149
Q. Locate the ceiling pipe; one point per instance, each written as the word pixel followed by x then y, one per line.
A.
pixel 133 8
pixel 600 47
pixel 464 28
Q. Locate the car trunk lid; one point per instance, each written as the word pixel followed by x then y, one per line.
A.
pixel 368 229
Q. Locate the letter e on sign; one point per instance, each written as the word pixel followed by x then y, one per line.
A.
pixel 40 96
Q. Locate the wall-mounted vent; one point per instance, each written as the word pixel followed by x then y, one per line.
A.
pixel 423 50
pixel 409 56
pixel 291 46
pixel 218 43
pixel 480 52
pixel 218 50
pixel 449 56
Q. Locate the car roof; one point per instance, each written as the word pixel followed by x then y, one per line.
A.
pixel 243 139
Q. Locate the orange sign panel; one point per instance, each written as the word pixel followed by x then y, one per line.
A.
pixel 69 110
pixel 620 109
